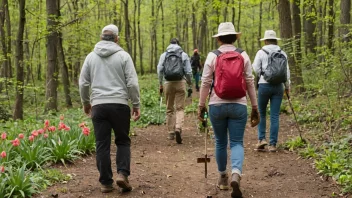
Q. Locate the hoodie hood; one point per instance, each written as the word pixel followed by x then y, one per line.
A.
pixel 271 47
pixel 106 48
pixel 173 48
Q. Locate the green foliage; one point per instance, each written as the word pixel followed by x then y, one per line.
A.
pixel 64 149
pixel 20 182
pixel 295 143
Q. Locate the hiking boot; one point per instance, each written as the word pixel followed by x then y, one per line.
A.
pixel 261 144
pixel 223 182
pixel 122 182
pixel 272 148
pixel 106 188
pixel 171 136
pixel 178 137
pixel 235 184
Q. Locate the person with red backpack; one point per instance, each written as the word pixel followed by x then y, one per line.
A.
pixel 227 78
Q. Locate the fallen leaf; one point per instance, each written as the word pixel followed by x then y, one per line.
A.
pixel 168 176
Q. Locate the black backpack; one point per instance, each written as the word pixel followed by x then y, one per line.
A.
pixel 276 71
pixel 195 61
pixel 173 66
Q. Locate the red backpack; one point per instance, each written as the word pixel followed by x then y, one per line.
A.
pixel 228 81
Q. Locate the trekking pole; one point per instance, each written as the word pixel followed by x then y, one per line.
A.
pixel 161 102
pixel 294 114
pixel 205 159
pixel 194 117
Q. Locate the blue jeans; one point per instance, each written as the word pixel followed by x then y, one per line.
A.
pixel 196 78
pixel 229 119
pixel 273 93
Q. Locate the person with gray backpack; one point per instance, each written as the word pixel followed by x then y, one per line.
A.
pixel 272 70
pixel 175 69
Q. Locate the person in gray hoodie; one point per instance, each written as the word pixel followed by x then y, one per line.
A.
pixel 269 92
pixel 110 74
pixel 175 87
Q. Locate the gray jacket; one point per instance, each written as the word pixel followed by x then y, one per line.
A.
pixel 110 73
pixel 185 59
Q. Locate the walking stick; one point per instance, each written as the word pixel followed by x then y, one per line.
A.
pixel 161 102
pixel 294 114
pixel 205 159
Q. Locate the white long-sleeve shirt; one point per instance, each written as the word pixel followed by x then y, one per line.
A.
pixel 260 63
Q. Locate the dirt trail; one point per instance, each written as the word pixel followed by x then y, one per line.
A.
pixel 162 168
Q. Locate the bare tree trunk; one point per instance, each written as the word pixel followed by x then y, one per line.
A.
pixel 225 10
pixel 134 55
pixel 127 28
pixel 260 23
pixel 5 65
pixel 331 21
pixel 52 7
pixel 63 66
pixel 297 28
pixel 162 25
pixel 9 34
pixel 151 38
pixel 345 20
pixel 194 27
pixel 77 47
pixel 320 31
pixel 18 113
pixel 27 62
pixel 233 12
pixel 239 21
pixel 310 18
pixel 139 38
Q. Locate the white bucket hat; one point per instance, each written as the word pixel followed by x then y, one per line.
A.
pixel 226 28
pixel 270 34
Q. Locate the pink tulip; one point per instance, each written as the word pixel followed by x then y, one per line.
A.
pixel 31 138
pixel 61 126
pixel 67 128
pixel 35 133
pixel 2 169
pixel 46 123
pixel 40 131
pixel 3 136
pixel 3 154
pixel 85 131
pixel 52 128
pixel 83 124
pixel 46 135
pixel 16 142
pixel 62 117
pixel 21 136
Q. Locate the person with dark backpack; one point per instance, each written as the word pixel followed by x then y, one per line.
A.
pixel 272 70
pixel 227 76
pixel 196 67
pixel 175 69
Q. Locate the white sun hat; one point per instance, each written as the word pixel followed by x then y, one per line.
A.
pixel 270 35
pixel 226 28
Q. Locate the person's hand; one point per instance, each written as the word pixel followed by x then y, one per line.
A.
pixel 255 116
pixel 190 91
pixel 87 109
pixel 161 90
pixel 201 112
pixel 136 114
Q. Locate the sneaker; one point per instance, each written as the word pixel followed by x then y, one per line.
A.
pixel 223 182
pixel 171 136
pixel 122 182
pixel 261 144
pixel 178 137
pixel 235 184
pixel 106 188
pixel 272 148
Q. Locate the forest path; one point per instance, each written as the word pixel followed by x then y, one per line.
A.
pixel 162 168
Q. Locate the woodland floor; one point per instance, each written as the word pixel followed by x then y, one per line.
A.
pixel 162 168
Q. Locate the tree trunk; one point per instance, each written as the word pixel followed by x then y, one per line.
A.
pixel 27 54
pixel 63 66
pixel 239 21
pixel 52 7
pixel 233 12
pixel 194 26
pixel 331 24
pixel 260 23
pixel 18 113
pixel 310 18
pixel 9 35
pixel 296 12
pixel 139 38
pixel 77 46
pixel 127 28
pixel 5 65
pixel 225 10
pixel 345 20
pixel 151 38
pixel 162 25
pixel 134 54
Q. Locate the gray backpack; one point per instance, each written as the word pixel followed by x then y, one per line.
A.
pixel 173 66
pixel 276 71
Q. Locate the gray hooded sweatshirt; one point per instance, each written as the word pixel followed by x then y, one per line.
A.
pixel 110 73
pixel 187 65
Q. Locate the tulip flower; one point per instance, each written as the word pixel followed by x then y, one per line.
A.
pixel 21 136
pixel 15 142
pixel 83 124
pixel 40 131
pixel 3 154
pixel 46 135
pixel 85 131
pixel 35 133
pixel 52 128
pixel 3 136
pixel 62 117
pixel 2 169
pixel 31 138
pixel 46 123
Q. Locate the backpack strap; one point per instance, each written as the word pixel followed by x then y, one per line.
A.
pixel 216 52
pixel 239 50
pixel 265 51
